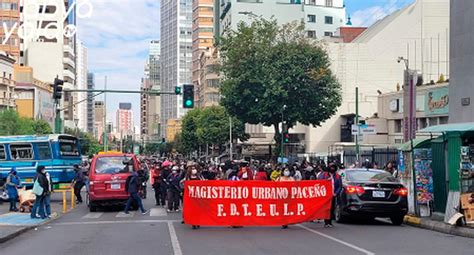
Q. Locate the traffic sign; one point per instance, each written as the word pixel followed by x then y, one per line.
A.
pixel 364 130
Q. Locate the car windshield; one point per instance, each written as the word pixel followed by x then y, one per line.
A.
pixel 113 165
pixel 369 176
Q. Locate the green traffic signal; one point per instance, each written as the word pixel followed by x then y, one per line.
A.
pixel 177 90
pixel 188 96
pixel 189 103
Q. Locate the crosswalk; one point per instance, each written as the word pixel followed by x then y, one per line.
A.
pixel 154 212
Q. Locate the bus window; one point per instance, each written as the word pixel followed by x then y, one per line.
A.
pixel 44 151
pixel 3 156
pixel 21 151
pixel 68 147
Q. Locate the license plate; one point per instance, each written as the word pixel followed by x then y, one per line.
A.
pixel 378 193
pixel 29 180
pixel 115 186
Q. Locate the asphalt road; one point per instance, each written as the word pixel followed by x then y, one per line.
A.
pixel 111 232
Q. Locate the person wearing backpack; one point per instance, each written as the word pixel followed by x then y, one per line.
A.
pixel 40 187
pixel 132 186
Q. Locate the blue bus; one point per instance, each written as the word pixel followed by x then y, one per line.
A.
pixel 58 153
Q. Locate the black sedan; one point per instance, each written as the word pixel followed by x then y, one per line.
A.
pixel 370 193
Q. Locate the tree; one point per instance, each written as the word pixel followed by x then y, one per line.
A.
pixel 208 126
pixel 12 124
pixel 266 67
pixel 89 144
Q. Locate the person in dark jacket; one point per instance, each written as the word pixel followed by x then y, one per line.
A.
pixel 331 174
pixel 133 186
pixel 78 183
pixel 38 208
pixel 165 172
pixel 12 185
pixel 173 182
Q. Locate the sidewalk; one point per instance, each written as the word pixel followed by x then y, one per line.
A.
pixel 15 224
pixel 439 226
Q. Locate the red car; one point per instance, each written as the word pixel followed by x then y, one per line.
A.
pixel 107 176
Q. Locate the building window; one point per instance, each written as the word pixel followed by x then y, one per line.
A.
pixel 311 18
pixel 328 19
pixel 398 126
pixel 311 34
pixel 295 1
pixel 327 33
pixel 329 3
pixel 422 123
pixel 443 120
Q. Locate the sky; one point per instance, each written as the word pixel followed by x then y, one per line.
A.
pixel 118 32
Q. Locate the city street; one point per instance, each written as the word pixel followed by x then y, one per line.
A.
pixel 111 232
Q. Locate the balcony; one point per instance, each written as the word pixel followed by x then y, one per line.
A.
pixel 7 103
pixel 7 82
pixel 68 49
pixel 68 73
pixel 69 62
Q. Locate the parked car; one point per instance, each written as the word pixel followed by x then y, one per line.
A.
pixel 107 177
pixel 370 193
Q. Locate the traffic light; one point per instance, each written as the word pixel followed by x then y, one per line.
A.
pixel 188 96
pixel 177 90
pixel 58 88
pixel 286 137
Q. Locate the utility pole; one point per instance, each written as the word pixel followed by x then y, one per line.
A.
pixel 357 124
pixel 230 139
pixel 105 138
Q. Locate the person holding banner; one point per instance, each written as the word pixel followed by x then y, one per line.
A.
pixel 285 178
pixel 331 174
pixel 245 173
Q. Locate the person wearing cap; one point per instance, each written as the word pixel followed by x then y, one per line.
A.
pixel 174 190
pixel 13 183
pixel 78 183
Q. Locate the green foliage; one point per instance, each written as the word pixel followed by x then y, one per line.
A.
pixel 89 144
pixel 12 124
pixel 266 66
pixel 207 126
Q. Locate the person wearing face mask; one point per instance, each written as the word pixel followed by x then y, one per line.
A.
pixel 174 190
pixel 40 188
pixel 331 174
pixel 192 175
pixel 12 184
pixel 286 177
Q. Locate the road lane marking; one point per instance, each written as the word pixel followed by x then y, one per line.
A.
pixel 93 215
pixel 158 212
pixel 111 222
pixel 174 240
pixel 124 215
pixel 337 240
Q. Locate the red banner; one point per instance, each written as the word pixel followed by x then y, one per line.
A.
pixel 255 203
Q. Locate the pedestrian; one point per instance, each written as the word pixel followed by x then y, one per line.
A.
pixel 12 184
pixel 276 173
pixel 336 181
pixel 245 173
pixel 297 173
pixel 40 187
pixel 132 186
pixel 391 169
pixel 47 196
pixel 234 175
pixel 285 178
pixel 85 170
pixel 78 183
pixel 157 180
pixel 261 174
pixel 165 172
pixel 174 190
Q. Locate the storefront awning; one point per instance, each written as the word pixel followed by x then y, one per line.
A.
pixel 456 127
pixel 417 142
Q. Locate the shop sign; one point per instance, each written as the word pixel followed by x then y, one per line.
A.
pixel 437 102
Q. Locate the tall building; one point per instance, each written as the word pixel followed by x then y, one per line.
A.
pixel 203 39
pixel 7 82
pixel 176 55
pixel 80 109
pixel 154 103
pixel 321 17
pixel 50 44
pixel 125 119
pixel 144 104
pixel 9 16
pixel 99 114
pixel 209 79
pixel 461 93
pixel 90 104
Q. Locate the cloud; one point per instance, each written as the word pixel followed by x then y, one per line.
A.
pixel 368 16
pixel 117 36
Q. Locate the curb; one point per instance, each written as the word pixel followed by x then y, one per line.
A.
pixel 24 229
pixel 439 226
